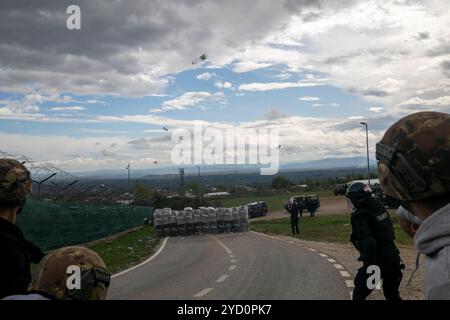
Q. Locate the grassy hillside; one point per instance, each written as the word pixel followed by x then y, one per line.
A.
pixel 332 228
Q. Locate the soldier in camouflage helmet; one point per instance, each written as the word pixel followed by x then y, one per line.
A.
pixel 56 269
pixel 15 183
pixel 414 167
pixel 16 253
pixel 56 276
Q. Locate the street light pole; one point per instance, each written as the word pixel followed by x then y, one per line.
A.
pixel 199 187
pixel 128 168
pixel 367 145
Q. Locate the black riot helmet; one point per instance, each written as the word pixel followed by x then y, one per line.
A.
pixel 358 193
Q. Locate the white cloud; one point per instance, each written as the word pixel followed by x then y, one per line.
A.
pixel 303 138
pixel 128 59
pixel 333 104
pixel 308 98
pixel 437 102
pixel 275 86
pixel 376 109
pixel 223 85
pixel 102 131
pixel 284 75
pixel 246 66
pixel 367 47
pixel 189 99
pixel 355 118
pixel 69 109
pixel 205 76
pixel 29 104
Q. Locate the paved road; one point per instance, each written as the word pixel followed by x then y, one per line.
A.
pixel 232 266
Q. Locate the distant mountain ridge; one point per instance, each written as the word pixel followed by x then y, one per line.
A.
pixel 327 163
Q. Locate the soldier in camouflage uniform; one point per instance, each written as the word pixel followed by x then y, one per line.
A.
pixel 414 167
pixel 16 253
pixel 57 269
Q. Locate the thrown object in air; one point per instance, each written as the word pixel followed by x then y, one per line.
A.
pixel 197 60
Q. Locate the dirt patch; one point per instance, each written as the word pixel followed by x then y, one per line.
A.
pixel 328 205
pixel 333 205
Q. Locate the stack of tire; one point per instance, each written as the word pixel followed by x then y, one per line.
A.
pixel 203 220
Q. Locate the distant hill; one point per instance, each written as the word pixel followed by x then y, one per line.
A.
pixel 327 163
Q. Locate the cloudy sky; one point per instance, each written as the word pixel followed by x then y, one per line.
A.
pixel 98 97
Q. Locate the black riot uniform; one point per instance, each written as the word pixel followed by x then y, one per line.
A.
pixel 295 209
pixel 373 236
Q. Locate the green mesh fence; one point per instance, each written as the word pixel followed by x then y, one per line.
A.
pixel 54 225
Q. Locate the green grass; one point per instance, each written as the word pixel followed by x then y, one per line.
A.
pixel 118 256
pixel 275 202
pixel 332 228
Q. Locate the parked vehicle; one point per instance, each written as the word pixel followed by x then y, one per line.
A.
pixel 340 189
pixel 309 202
pixel 257 209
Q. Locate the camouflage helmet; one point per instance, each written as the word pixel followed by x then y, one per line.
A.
pixel 15 181
pixel 414 156
pixel 52 275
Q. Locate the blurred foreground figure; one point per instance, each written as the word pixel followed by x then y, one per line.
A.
pixel 16 253
pixel 373 236
pixel 414 167
pixel 71 273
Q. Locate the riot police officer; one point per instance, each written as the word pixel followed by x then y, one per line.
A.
pixel 295 209
pixel 373 236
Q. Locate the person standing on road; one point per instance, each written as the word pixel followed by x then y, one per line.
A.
pixel 373 236
pixel 414 167
pixel 16 253
pixel 295 210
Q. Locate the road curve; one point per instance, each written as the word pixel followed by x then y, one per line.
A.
pixel 230 267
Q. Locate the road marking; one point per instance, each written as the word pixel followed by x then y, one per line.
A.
pixel 349 283
pixel 232 267
pixel 291 242
pixel 233 261
pixel 146 261
pixel 222 278
pixel 231 256
pixel 345 274
pixel 203 293
pixel 222 244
